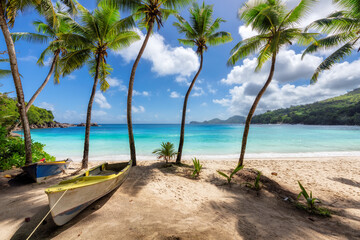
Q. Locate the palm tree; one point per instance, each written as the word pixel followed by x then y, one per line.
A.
pixel 148 12
pixel 8 12
pixel 167 151
pixel 276 27
pixel 200 32
pixel 48 31
pixel 345 29
pixel 101 30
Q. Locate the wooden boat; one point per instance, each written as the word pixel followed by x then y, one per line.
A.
pixel 70 197
pixel 40 170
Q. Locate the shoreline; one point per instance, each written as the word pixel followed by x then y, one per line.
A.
pixel 158 202
pixel 251 156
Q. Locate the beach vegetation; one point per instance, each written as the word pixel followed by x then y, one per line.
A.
pixel 343 29
pixel 257 183
pixel 231 175
pixel 200 32
pixel 275 26
pixel 197 167
pixel 9 9
pixel 341 110
pixel 148 13
pixel 311 203
pixel 9 113
pixel 166 151
pixel 12 151
pixel 97 33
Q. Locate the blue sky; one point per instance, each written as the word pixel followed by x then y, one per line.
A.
pixel 167 67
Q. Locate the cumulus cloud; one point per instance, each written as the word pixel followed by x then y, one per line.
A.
pixel 98 113
pixel 166 60
pixel 114 82
pixel 198 91
pixel 47 106
pixel 174 94
pixel 139 109
pixel 101 100
pixel 28 59
pixel 143 93
pixel 341 78
pixel 289 67
pixel 247 32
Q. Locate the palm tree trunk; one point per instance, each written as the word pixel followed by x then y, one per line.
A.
pixel 17 82
pixel 130 92
pixel 252 110
pixel 88 116
pixel 36 94
pixel 182 131
pixel 56 56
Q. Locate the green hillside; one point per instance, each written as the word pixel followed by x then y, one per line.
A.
pixel 9 112
pixel 341 110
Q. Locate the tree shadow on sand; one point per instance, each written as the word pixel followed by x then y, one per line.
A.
pixel 346 181
pixel 48 229
pixel 269 214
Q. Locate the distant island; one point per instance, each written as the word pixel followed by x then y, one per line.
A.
pixel 232 120
pixel 341 110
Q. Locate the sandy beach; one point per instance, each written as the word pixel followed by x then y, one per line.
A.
pixel 158 202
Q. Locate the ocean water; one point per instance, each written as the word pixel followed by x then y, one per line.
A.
pixel 110 141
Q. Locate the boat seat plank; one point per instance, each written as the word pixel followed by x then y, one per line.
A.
pixel 102 173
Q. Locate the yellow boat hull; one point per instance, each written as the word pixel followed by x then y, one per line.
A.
pixel 78 193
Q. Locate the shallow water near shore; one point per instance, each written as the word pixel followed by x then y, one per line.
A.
pixel 218 141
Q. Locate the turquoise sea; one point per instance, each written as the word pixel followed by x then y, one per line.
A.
pixel 110 141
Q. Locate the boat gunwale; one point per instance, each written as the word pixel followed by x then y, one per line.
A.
pixel 80 181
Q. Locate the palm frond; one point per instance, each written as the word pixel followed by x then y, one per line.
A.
pixel 74 60
pixel 30 37
pixel 299 11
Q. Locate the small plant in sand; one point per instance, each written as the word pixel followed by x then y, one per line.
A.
pixel 167 151
pixel 310 202
pixel 197 167
pixel 257 184
pixel 229 177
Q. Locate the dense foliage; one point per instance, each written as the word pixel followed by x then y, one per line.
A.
pixel 9 112
pixel 12 151
pixel 342 110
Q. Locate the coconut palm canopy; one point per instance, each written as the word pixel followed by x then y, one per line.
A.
pixel 168 66
pixel 343 28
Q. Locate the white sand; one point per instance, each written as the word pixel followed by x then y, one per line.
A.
pixel 166 203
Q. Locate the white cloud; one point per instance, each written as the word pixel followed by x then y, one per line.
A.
pixel 98 113
pixel 71 77
pixel 211 89
pixel 174 94
pixel 289 67
pixel 114 82
pixel 247 32
pixel 28 59
pixel 341 78
pixel 101 100
pixel 47 106
pixel 166 60
pixel 139 109
pixel 48 61
pixel 143 93
pixel 198 91
pixel 204 104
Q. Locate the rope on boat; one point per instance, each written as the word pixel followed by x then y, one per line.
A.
pixel 46 215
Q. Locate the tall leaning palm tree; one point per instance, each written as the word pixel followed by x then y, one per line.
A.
pixel 201 33
pixel 98 32
pixel 51 30
pixel 344 29
pixel 277 27
pixel 8 12
pixel 149 13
